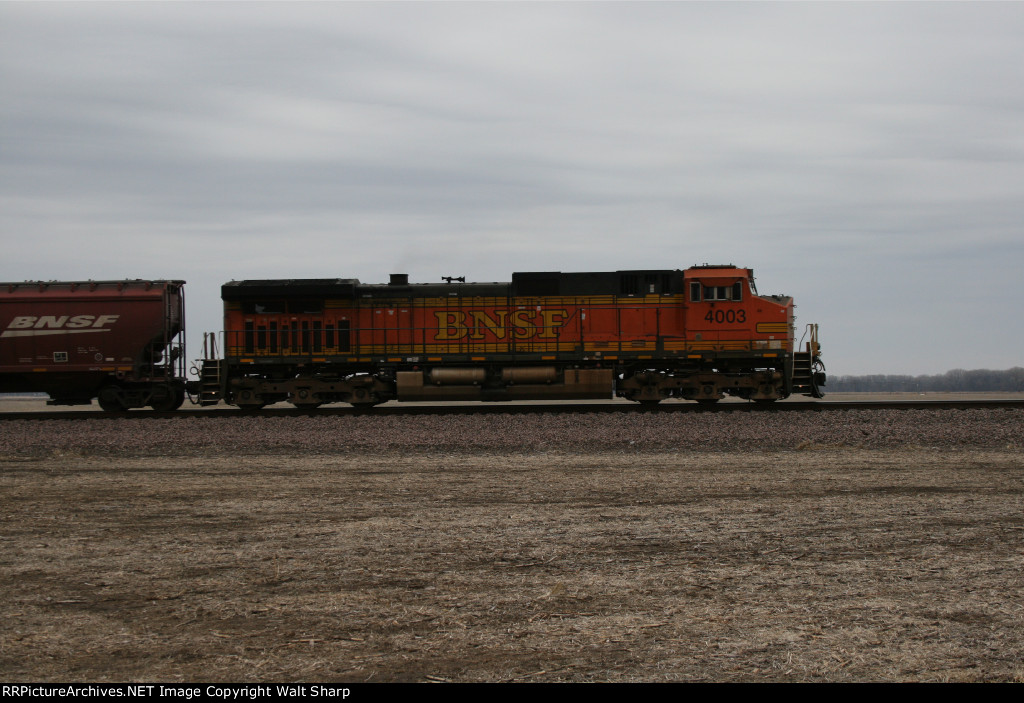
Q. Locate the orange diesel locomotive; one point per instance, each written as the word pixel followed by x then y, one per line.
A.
pixel 698 334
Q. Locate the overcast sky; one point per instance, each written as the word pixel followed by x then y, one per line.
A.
pixel 867 159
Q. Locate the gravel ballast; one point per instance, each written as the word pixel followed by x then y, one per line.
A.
pixel 746 431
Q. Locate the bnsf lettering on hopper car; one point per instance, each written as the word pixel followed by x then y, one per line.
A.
pixel 39 325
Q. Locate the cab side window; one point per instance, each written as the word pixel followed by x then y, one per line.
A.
pixel 700 292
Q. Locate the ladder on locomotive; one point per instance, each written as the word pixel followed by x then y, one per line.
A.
pixel 210 392
pixel 803 365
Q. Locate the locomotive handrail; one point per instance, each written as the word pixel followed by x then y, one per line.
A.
pixel 210 350
pixel 812 344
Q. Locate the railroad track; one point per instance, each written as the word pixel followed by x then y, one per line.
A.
pixel 517 408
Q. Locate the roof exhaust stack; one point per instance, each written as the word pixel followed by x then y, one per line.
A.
pixel 399 279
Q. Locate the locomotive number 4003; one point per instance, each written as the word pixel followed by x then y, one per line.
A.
pixel 726 316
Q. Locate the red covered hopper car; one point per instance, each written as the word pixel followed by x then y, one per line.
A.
pixel 119 341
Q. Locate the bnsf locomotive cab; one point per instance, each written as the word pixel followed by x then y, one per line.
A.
pixel 724 311
pixel 698 334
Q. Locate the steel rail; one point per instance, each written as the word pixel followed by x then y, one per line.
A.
pixel 519 408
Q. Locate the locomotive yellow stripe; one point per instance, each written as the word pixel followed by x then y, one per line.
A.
pixel 772 327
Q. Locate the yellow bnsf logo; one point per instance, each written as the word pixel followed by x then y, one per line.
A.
pixel 498 324
pixel 36 326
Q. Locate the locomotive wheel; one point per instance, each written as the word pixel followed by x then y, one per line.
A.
pixel 247 400
pixel 250 407
pixel 305 399
pixel 364 398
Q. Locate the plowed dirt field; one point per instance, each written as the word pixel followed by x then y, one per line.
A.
pixel 818 563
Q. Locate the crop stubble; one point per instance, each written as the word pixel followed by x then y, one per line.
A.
pixel 449 560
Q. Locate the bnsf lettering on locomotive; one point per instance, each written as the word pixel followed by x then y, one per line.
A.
pixel 481 321
pixel 502 324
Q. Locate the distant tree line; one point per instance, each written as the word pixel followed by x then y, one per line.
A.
pixel 955 381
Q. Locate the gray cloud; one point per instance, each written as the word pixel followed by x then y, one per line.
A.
pixel 866 158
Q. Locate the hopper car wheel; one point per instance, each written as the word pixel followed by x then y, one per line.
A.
pixel 165 399
pixel 110 399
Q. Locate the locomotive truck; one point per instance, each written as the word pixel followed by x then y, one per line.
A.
pixel 698 334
